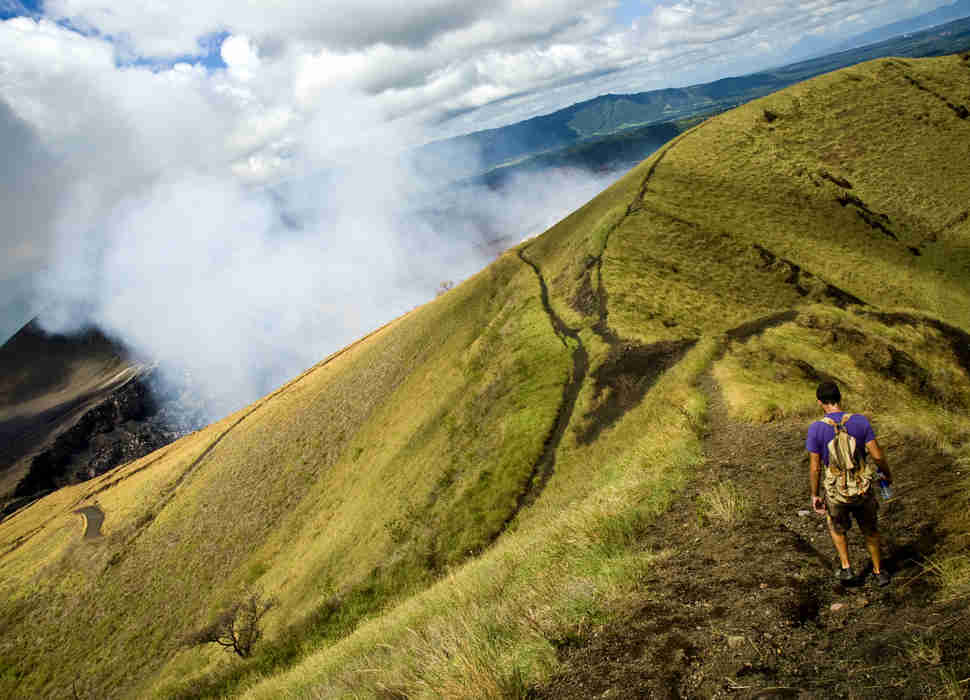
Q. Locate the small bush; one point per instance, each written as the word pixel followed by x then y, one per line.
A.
pixel 237 627
pixel 953 575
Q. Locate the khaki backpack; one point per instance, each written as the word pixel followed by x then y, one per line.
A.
pixel 847 480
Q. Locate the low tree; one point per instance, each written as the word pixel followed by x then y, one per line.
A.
pixel 237 627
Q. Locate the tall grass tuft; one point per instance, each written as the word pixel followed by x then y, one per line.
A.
pixel 726 503
pixel 953 575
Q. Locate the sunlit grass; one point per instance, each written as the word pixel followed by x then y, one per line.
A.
pixel 494 624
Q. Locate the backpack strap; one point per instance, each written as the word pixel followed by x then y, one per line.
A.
pixel 829 421
pixel 845 419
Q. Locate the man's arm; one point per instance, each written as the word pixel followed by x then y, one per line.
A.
pixel 814 476
pixel 872 447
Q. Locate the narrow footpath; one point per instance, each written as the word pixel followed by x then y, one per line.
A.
pixel 752 610
pixel 545 465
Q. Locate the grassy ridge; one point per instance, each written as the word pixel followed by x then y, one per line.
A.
pixel 393 498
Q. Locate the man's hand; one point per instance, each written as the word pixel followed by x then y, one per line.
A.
pixel 818 505
pixel 875 451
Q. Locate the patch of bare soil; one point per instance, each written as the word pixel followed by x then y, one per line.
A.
pixel 753 610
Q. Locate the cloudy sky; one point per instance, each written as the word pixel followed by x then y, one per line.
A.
pixel 138 139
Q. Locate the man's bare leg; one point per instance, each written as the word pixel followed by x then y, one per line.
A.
pixel 841 546
pixel 872 544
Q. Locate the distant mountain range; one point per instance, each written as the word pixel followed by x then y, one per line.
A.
pixel 583 126
pixel 941 15
pixel 816 45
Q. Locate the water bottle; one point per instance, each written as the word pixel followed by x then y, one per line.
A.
pixel 885 490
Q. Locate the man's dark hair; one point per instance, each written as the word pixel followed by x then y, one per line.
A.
pixel 828 392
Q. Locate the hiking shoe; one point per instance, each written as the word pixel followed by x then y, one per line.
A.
pixel 882 578
pixel 845 575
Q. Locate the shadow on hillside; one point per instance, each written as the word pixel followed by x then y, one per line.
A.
pixel 623 380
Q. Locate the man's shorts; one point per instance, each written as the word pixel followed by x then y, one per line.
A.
pixel 865 513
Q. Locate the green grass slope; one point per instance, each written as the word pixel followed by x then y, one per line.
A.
pixel 443 506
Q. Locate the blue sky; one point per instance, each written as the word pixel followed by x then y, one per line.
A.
pixel 630 10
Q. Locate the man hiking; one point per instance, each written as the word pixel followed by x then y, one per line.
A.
pixel 847 477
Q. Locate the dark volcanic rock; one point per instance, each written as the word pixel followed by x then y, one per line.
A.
pixel 74 407
pixel 111 433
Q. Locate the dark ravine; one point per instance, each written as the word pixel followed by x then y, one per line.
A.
pixel 73 407
pixel 121 427
pixel 758 326
pixel 107 435
pixel 623 379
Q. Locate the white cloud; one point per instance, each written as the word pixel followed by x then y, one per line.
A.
pixel 148 213
pixel 139 187
pixel 241 56
pixel 428 58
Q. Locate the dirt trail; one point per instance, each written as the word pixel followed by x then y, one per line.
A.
pixel 545 465
pixel 753 610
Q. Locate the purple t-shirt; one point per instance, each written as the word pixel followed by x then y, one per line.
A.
pixel 820 434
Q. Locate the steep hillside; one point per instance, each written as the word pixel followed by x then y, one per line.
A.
pixel 471 500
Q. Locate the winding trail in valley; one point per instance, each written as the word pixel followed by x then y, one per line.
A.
pixel 601 327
